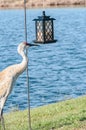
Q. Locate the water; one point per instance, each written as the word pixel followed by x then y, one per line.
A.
pixel 57 71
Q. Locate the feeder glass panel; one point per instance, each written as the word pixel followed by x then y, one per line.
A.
pixel 39 31
pixel 48 31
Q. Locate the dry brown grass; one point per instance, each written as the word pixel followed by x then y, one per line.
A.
pixel 39 3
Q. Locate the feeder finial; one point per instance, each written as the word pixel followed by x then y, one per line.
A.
pixel 43 13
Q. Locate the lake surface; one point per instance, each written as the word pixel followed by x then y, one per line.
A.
pixel 56 71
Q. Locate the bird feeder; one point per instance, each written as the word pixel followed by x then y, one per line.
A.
pixel 44 29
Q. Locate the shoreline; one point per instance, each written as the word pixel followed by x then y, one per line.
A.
pixel 60 6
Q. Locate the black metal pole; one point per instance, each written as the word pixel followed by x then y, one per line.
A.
pixel 29 116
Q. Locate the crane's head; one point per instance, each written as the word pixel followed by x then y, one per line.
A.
pixel 22 46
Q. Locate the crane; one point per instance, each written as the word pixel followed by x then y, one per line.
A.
pixel 9 75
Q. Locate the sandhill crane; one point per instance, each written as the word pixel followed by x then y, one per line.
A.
pixel 9 75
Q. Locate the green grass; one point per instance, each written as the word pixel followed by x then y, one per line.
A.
pixel 66 115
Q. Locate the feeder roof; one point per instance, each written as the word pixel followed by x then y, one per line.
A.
pixel 43 17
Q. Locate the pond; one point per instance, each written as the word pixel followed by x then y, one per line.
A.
pixel 56 71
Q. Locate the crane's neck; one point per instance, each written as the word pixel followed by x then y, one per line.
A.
pixel 15 70
pixel 24 62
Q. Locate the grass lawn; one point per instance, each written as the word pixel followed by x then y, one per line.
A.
pixel 66 115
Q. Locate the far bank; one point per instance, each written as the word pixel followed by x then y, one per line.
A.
pixel 10 4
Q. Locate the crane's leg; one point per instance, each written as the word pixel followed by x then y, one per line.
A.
pixel 2 120
pixel 3 123
pixel 0 123
pixel 2 102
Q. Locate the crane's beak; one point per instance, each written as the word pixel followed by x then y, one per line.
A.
pixel 29 44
